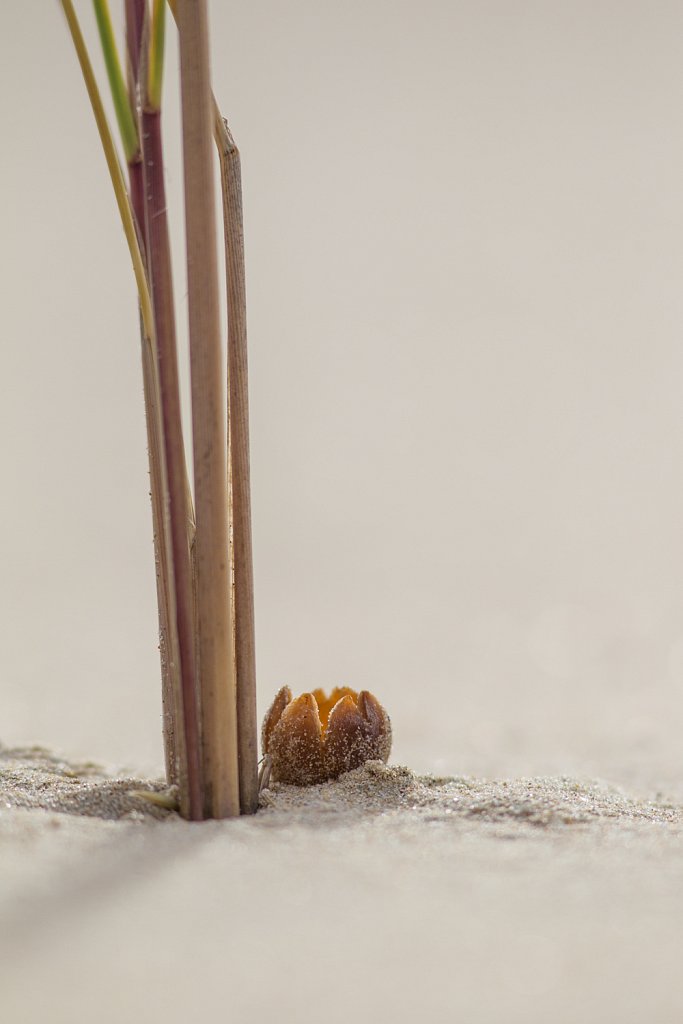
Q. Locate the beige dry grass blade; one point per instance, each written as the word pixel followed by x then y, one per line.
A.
pixel 241 557
pixel 239 471
pixel 216 668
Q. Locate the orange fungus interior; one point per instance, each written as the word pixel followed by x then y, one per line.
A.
pixel 325 703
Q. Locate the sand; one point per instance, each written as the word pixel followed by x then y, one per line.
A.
pixel 384 896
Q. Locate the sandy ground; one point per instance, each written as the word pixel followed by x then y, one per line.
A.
pixel 463 232
pixel 382 897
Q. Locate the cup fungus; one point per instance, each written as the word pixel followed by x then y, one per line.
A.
pixel 314 738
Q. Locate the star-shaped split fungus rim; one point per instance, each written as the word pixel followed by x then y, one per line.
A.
pixel 314 738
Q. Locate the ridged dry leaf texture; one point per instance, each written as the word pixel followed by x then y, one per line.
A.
pixel 314 738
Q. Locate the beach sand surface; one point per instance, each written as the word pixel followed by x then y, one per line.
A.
pixel 384 896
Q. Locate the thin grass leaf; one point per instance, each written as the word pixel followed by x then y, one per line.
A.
pixel 115 172
pixel 155 66
pixel 117 84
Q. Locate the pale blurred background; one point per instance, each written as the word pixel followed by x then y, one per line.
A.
pixel 464 226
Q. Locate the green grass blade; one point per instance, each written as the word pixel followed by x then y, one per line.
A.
pixel 115 172
pixel 119 92
pixel 155 67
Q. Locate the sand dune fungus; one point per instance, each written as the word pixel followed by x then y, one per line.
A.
pixel 314 738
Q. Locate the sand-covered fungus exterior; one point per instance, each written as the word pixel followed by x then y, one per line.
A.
pixel 314 738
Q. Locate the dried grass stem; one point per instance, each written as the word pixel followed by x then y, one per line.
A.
pixel 216 668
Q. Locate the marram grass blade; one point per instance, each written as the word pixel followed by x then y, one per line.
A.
pixel 238 463
pixel 115 172
pixel 214 633
pixel 240 550
pixel 119 92
pixel 155 66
